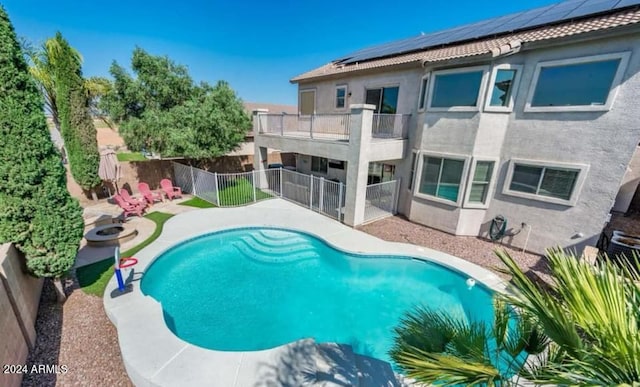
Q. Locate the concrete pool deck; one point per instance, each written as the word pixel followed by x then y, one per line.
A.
pixel 154 356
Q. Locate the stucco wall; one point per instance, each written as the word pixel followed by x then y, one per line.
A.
pixel 406 80
pixel 19 300
pixel 603 140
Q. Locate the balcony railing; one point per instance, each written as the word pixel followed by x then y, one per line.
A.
pixel 390 126
pixel 331 126
pixel 319 126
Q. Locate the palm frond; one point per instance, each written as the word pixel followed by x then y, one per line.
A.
pixel 447 370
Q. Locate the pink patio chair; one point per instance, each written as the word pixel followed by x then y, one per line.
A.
pixel 128 208
pixel 169 189
pixel 148 195
pixel 131 200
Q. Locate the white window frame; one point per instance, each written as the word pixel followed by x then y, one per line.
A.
pixel 490 187
pixel 463 178
pixel 624 59
pixel 346 95
pixel 479 100
pixel 582 169
pixel 514 88
pixel 414 166
pixel 424 88
pixel 315 100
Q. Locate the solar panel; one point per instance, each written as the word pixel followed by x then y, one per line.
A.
pixel 554 13
pixel 591 7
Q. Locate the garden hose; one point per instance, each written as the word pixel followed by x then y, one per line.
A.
pixel 498 227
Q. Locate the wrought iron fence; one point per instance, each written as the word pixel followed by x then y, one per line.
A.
pixel 381 200
pixel 390 125
pixel 235 189
pixel 321 195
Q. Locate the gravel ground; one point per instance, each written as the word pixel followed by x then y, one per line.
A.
pixel 77 334
pixel 473 249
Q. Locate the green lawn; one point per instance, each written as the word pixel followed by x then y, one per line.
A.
pixel 131 156
pixel 93 278
pixel 198 203
pixel 240 193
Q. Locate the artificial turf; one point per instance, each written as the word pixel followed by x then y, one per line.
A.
pixel 93 278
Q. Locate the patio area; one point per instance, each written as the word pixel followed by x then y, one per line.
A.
pixel 81 336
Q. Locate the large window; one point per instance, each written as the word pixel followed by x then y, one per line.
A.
pixel 319 164
pixel 547 182
pixel 481 182
pixel 341 97
pixel 385 99
pixel 456 89
pixel 503 85
pixel 576 84
pixel 307 102
pixel 441 177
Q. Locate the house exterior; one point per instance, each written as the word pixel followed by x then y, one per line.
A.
pixel 537 122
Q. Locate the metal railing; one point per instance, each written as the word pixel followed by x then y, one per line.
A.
pixel 391 126
pixel 227 189
pixel 318 194
pixel 319 126
pixel 381 200
pixel 236 189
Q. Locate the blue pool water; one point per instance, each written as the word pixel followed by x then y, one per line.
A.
pixel 252 289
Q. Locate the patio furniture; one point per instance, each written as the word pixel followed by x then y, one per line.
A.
pixel 128 208
pixel 131 200
pixel 149 196
pixel 170 190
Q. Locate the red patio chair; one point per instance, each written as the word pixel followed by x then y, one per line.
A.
pixel 128 208
pixel 170 190
pixel 148 195
pixel 131 200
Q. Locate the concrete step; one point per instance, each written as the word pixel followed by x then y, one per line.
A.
pixel 275 255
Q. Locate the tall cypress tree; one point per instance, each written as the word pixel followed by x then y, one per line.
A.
pixel 37 212
pixel 76 124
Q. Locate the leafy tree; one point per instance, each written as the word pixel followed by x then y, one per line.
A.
pixel 76 124
pixel 37 213
pixel 581 330
pixel 96 88
pixel 163 111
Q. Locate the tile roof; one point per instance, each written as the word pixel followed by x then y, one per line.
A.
pixel 482 46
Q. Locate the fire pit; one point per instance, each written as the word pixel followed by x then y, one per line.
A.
pixel 110 234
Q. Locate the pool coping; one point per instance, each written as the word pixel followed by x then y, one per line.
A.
pixel 154 356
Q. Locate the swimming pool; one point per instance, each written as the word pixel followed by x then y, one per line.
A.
pixel 249 289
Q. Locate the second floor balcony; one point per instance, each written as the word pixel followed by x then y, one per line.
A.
pixel 331 127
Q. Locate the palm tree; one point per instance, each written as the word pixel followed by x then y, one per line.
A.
pixel 42 70
pixel 581 329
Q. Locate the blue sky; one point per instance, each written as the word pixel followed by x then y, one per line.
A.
pixel 257 46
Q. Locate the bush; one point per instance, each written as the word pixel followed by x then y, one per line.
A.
pixel 37 213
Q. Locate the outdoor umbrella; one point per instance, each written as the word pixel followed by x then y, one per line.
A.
pixel 109 169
